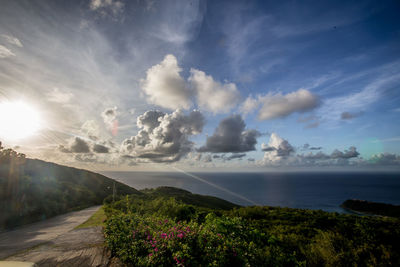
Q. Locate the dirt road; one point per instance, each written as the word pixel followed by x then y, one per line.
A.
pixel 33 235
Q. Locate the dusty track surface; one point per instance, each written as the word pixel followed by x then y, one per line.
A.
pixel 54 242
pixel 80 247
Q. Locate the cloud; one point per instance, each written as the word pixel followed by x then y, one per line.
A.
pixel 384 159
pixel 87 158
pixel 249 105
pixel 149 120
pixel 207 158
pixel 109 116
pixel 351 153
pixel 337 157
pixel 76 145
pixel 5 52
pixel 165 87
pixel 98 148
pixel 236 156
pixel 231 136
pixel 348 106
pixel 276 149
pixel 280 106
pixel 12 40
pixel 177 22
pixel 58 96
pixel 91 129
pixel 349 115
pixel 164 137
pixel 105 7
pixel 212 95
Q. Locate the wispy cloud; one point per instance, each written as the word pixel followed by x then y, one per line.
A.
pixel 356 102
pixel 5 52
pixel 12 40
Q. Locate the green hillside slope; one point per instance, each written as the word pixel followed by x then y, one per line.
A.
pixel 32 190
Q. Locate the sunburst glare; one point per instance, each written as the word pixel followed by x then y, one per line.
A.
pixel 18 120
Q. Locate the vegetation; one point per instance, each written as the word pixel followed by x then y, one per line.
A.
pixel 163 227
pixel 97 219
pixel 372 207
pixel 32 190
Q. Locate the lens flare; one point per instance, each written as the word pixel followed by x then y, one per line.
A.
pixel 217 186
pixel 18 120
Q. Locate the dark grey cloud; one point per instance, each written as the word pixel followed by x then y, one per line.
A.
pixel 164 137
pixel 76 145
pixel 149 120
pixel 347 154
pixel 384 159
pixel 336 154
pixel 236 156
pixel 309 147
pixel 349 115
pixel 315 156
pixel 98 148
pixel 231 136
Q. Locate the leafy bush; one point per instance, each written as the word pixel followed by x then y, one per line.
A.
pixel 157 230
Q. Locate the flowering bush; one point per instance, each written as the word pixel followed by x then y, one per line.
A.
pixel 145 231
pixel 157 241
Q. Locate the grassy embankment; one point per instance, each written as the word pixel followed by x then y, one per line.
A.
pixel 97 219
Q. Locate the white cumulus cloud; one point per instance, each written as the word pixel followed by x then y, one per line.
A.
pixel 212 95
pixel 165 87
pixel 279 106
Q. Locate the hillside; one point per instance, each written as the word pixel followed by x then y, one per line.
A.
pixel 189 198
pixel 172 227
pixel 32 190
pixel 369 207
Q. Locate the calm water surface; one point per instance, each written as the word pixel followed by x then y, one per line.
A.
pixel 324 191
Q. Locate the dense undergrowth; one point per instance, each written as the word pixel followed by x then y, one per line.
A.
pixel 156 229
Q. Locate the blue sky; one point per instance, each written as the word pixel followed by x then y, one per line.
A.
pixel 274 85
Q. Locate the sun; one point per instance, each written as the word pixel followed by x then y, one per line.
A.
pixel 18 120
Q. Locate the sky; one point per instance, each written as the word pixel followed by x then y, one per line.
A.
pixel 202 85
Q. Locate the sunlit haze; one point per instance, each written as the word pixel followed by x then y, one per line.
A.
pixel 18 120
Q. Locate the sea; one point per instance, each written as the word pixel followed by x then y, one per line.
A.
pixel 319 191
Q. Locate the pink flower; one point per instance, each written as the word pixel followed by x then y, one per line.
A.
pixel 180 235
pixel 155 249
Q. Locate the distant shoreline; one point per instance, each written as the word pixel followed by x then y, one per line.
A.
pixel 363 207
